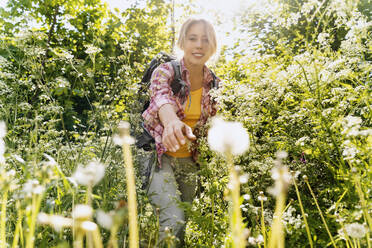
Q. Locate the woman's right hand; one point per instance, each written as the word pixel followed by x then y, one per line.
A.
pixel 174 134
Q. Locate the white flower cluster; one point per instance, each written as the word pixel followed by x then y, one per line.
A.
pixel 89 175
pixel 92 49
pixel 2 143
pixel 227 136
pixel 256 240
pixel 292 220
pixel 351 125
pixel 356 230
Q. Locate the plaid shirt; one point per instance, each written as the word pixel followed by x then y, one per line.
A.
pixel 161 93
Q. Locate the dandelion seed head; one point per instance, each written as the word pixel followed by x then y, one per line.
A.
pixel 356 230
pixel 104 219
pixel 43 218
pixel 281 154
pixel 89 175
pixel 32 187
pixel 58 222
pixel 226 137
pixel 82 212
pixel 262 198
pixel 118 140
pixel 88 226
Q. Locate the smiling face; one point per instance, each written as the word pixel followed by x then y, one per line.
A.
pixel 196 45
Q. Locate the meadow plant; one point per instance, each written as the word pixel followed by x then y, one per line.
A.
pixel 126 140
pixel 234 142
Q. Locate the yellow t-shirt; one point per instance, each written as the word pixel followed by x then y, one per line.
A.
pixel 192 113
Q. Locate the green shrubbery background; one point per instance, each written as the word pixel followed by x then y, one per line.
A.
pixel 298 78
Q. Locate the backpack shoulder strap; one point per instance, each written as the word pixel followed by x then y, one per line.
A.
pixel 214 83
pixel 177 70
pixel 176 84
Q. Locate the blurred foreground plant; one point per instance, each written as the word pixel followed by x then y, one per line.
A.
pixel 230 138
pixel 126 140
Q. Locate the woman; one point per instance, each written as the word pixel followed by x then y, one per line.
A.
pixel 175 120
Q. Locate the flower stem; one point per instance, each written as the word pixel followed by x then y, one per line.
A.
pixel 236 221
pixel 363 202
pixel 36 201
pixel 4 202
pixel 263 227
pixel 131 188
pixel 303 213
pixel 97 238
pixel 320 212
pixel 18 228
pixel 277 233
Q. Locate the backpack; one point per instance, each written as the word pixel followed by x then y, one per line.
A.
pixel 145 141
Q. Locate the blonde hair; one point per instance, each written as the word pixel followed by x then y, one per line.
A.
pixel 209 30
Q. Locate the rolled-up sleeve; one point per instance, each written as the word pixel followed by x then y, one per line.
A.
pixel 160 92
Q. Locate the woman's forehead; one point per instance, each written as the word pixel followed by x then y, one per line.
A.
pixel 197 29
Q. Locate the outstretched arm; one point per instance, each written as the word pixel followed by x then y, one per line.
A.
pixel 174 129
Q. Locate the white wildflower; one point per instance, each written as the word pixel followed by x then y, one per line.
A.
pixel 262 197
pixel 32 187
pixel 246 197
pixel 243 178
pixel 89 226
pixel 252 240
pixel 43 218
pixel 260 239
pixel 355 230
pixel 302 141
pixel 228 137
pixel 282 178
pixel 104 219
pixel 351 121
pixel 59 222
pixel 56 221
pixel 92 49
pixel 123 140
pixel 323 39
pixel 349 153
pixel 51 161
pixel 281 154
pixel 89 175
pixel 82 212
pixel 18 158
pixel 2 129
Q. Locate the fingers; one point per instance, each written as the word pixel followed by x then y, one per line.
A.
pixel 189 134
pixel 173 137
pixel 179 135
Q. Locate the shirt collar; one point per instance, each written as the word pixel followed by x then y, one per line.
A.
pixel 207 73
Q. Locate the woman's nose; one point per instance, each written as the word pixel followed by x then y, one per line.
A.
pixel 199 43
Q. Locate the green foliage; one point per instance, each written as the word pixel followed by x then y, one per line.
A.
pixel 69 71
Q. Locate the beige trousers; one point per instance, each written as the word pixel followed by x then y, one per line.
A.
pixel 175 182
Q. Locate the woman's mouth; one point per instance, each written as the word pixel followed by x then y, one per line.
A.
pixel 198 55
